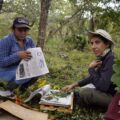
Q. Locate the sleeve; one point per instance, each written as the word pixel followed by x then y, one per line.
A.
pixel 85 81
pixel 102 79
pixel 5 58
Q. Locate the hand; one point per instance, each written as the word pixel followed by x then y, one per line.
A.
pixel 69 88
pixel 26 55
pixel 95 64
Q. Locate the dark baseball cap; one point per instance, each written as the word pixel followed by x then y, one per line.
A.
pixel 21 22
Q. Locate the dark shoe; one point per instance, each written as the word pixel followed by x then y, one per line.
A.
pixel 2 86
pixel 12 85
pixel 25 86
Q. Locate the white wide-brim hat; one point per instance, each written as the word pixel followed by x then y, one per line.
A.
pixel 102 33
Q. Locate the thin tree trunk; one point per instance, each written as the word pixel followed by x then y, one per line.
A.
pixel 92 22
pixel 1 3
pixel 45 4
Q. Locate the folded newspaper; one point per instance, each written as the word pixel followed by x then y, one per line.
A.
pixel 52 97
pixel 34 67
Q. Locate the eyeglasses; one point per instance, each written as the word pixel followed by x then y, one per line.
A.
pixel 22 29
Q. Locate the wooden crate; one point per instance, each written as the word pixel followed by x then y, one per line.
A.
pixel 49 107
pixel 56 108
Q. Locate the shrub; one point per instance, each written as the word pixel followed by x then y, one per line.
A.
pixel 77 41
pixel 116 76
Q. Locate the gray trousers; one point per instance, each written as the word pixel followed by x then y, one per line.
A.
pixel 90 97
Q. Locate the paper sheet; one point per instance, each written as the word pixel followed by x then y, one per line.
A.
pixel 5 93
pixel 34 67
pixel 57 100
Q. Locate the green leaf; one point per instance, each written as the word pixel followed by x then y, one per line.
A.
pixel 116 68
pixel 116 80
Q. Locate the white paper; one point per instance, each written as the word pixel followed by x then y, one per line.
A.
pixel 46 92
pixel 57 100
pixel 89 86
pixel 42 91
pixel 34 67
pixel 5 93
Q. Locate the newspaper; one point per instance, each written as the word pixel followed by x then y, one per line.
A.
pixel 57 98
pixel 34 67
pixel 52 97
pixel 42 91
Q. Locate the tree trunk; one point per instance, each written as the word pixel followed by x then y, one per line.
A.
pixel 45 4
pixel 92 22
pixel 1 3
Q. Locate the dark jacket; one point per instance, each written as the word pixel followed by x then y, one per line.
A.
pixel 101 78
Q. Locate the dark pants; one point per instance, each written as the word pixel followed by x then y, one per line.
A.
pixel 12 84
pixel 90 97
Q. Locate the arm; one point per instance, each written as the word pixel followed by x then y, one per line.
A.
pixel 102 79
pixel 5 58
pixel 69 88
pixel 85 81
pixel 80 83
pixel 89 79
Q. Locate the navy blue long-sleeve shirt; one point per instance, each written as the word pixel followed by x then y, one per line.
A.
pixel 101 78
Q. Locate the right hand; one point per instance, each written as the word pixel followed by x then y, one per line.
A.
pixel 67 88
pixel 95 64
pixel 26 55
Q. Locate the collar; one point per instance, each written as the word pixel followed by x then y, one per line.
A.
pixel 105 53
pixel 15 40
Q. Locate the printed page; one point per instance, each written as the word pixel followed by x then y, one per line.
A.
pixel 53 98
pixel 42 91
pixel 34 67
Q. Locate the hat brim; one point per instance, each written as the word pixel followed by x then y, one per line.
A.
pixel 92 34
pixel 22 26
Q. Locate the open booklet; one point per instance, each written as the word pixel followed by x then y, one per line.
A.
pixel 52 97
pixel 34 67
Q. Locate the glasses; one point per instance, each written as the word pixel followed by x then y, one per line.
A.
pixel 22 29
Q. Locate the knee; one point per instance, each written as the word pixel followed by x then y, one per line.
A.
pixel 86 95
pixel 87 92
pixel 20 82
pixel 83 97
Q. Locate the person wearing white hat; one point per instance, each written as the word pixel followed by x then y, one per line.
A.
pixel 100 73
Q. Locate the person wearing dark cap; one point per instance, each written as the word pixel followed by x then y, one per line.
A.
pixel 13 48
pixel 100 73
